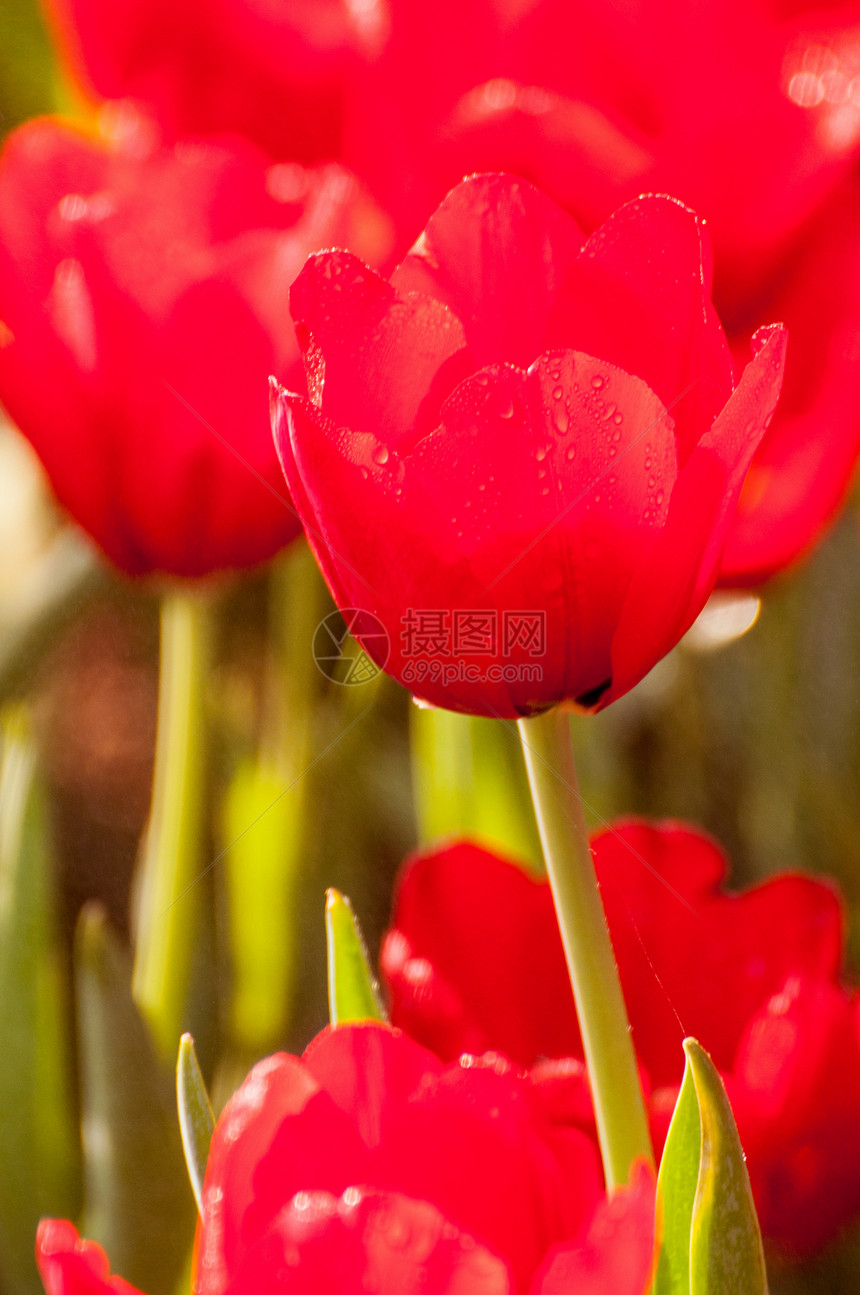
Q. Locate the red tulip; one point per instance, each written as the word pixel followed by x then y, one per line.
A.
pixel 274 73
pixel 368 1109
pixel 70 1266
pixel 385 1243
pixel 748 112
pixel 368 1165
pixel 754 977
pixel 143 306
pixel 522 431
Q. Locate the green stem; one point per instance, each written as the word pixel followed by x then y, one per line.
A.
pixel 172 859
pixel 622 1125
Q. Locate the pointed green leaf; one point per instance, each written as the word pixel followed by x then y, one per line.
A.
pixel 353 994
pixel 676 1192
pixel 196 1120
pixel 711 1243
pixel 137 1202
pixel 38 1124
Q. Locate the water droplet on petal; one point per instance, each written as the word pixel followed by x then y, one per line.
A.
pixel 597 381
pixel 381 455
pixel 570 453
pixel 557 393
pixel 504 405
pixel 561 421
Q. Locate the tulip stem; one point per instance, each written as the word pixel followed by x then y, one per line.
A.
pixel 172 860
pixel 622 1125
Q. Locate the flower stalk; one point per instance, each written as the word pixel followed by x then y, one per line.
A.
pixel 622 1124
pixel 171 862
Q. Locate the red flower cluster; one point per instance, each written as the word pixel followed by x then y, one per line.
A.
pixel 748 112
pixel 143 300
pixel 368 1164
pixel 523 418
pixel 754 977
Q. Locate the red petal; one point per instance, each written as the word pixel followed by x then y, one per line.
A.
pixel 617 1257
pixel 373 360
pixel 379 1243
pixel 804 466
pixel 490 1001
pixel 70 1266
pixel 797 1080
pixel 496 252
pixel 639 296
pixel 279 1134
pixel 672 585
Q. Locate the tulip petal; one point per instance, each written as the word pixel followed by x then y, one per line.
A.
pixel 671 586
pixel 71 1266
pixel 617 1256
pixel 277 1125
pixel 382 1243
pixel 374 361
pixel 495 252
pixel 639 295
pixel 804 466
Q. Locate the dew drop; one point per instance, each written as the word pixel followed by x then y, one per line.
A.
pixel 364 473
pixel 561 421
pixel 647 465
pixel 610 411
pixel 652 481
pixel 570 453
pixel 381 455
pixel 504 405
pixel 541 452
pixel 659 497
pixel 597 381
pixel 557 393
pixel 618 417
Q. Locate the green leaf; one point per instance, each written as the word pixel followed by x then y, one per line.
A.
pixel 353 994
pixel 38 1124
pixel 137 1202
pixel 711 1244
pixel 196 1120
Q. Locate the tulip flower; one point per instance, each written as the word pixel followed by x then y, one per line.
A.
pixel 368 1164
pixel 749 113
pixel 521 456
pixel 143 306
pixel 755 976
pixel 273 73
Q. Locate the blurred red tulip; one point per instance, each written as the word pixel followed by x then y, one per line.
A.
pixel 750 113
pixel 272 72
pixel 367 1164
pixel 366 1108
pixel 476 445
pixel 70 1266
pixel 143 299
pixel 385 1243
pixel 754 977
